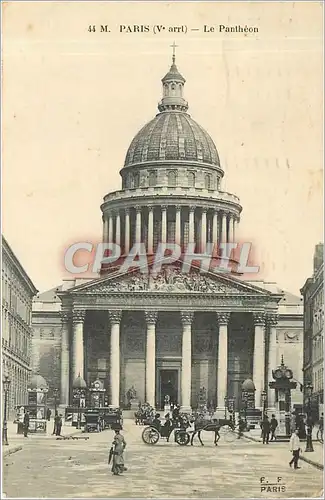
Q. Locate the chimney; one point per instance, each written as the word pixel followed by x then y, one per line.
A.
pixel 318 256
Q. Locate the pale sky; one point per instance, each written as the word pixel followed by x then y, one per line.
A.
pixel 73 101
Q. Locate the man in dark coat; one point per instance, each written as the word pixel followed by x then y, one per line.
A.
pixel 273 427
pixel 266 430
pixel 58 425
pixel 26 424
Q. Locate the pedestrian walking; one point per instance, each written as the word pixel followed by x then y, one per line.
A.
pixel 241 427
pixel 58 425
pixel 116 452
pixel 26 424
pixel 273 426
pixel 266 430
pixel 295 449
pixel 55 420
pixel 48 414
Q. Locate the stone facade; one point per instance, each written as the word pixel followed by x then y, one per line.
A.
pixel 17 294
pixel 172 332
pixel 313 362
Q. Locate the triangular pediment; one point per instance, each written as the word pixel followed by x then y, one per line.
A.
pixel 170 280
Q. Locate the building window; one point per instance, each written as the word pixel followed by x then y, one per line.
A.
pixel 152 178
pixel 207 181
pixel 172 178
pixel 136 180
pixel 191 179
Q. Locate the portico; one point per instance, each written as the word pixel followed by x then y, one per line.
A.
pixel 210 331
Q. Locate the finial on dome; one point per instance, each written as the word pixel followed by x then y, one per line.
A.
pixel 174 51
pixel 282 361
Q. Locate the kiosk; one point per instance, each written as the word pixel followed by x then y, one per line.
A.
pixel 37 403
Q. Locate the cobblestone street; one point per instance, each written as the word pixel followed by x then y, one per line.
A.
pixel 73 469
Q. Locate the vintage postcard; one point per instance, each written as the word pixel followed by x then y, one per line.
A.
pixel 162 250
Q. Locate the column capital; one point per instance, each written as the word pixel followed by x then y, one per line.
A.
pixel 258 318
pixel 204 210
pixel 223 318
pixel 192 208
pixel 163 208
pixel 127 211
pixel 78 316
pixel 138 208
pixel 115 316
pixel 187 317
pixel 150 208
pixel 178 207
pixel 151 317
pixel 272 319
pixel 65 316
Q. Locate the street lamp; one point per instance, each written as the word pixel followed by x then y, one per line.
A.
pixel 226 405
pixel 264 403
pixel 6 385
pixel 55 395
pixel 309 438
pixel 245 399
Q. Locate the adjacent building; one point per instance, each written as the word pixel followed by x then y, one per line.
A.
pixel 313 293
pixel 170 333
pixel 17 295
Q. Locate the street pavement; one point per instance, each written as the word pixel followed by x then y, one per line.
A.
pixel 237 468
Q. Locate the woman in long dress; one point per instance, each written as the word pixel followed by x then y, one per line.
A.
pixel 119 445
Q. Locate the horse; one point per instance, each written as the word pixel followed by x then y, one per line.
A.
pixel 210 426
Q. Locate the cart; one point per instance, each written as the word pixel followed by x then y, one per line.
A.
pixel 112 418
pixel 93 421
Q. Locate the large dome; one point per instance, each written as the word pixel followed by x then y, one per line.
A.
pixel 172 135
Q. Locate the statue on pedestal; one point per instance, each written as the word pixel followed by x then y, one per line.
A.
pixel 131 395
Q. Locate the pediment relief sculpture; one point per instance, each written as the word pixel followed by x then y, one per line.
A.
pixel 170 279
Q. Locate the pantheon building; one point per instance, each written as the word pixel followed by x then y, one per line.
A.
pixel 171 332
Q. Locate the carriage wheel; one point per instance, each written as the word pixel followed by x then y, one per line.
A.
pixel 230 436
pixel 182 438
pixel 150 435
pixel 320 436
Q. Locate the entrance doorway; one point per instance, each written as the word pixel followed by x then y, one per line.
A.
pixel 168 385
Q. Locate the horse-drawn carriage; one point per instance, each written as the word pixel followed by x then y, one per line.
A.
pixel 152 433
pixel 219 426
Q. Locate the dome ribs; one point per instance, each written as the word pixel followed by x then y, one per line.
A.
pixel 163 140
pixel 172 135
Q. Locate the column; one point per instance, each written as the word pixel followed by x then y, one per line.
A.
pixel 271 320
pixel 138 225
pixel 163 224
pixel 115 320
pixel 110 228
pixel 191 225
pixel 215 227
pixel 118 229
pixel 259 357
pixel 224 227
pixel 150 230
pixel 127 231
pixel 178 225
pixel 187 318
pixel 203 230
pixel 65 358
pixel 222 369
pixel 105 229
pixel 78 344
pixel 234 224
pixel 231 229
pixel 151 319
